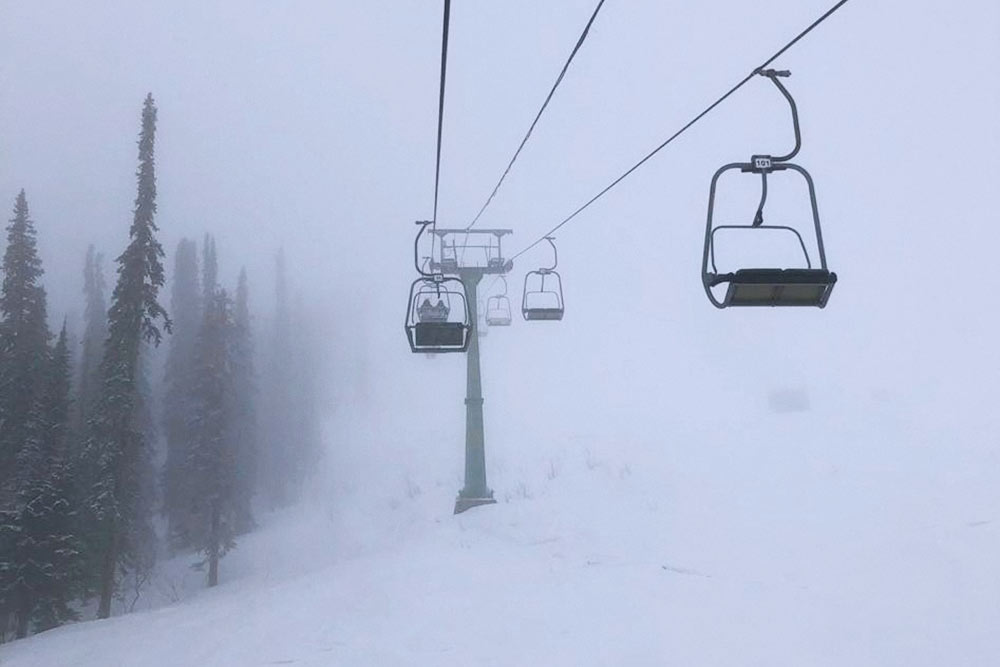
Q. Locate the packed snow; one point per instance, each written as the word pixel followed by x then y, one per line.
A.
pixel 719 545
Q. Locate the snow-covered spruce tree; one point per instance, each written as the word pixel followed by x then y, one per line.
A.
pixel 88 389
pixel 212 459
pixel 278 452
pixel 147 498
pixel 88 386
pixel 178 400
pixel 24 337
pixel 24 355
pixel 43 573
pixel 56 522
pixel 289 444
pixel 116 449
pixel 305 393
pixel 95 332
pixel 56 404
pixel 41 567
pixel 209 268
pixel 244 424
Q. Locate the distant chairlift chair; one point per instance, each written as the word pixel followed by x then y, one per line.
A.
pixel 537 302
pixel 498 308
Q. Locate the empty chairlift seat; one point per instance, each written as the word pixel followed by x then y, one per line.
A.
pixel 498 311
pixel 542 313
pixel 779 287
pixel 541 302
pixel 806 286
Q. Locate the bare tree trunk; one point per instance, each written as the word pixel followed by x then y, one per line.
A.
pixel 213 553
pixel 23 614
pixel 108 574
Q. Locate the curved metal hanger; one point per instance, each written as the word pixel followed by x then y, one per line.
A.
pixel 774 75
pixel 555 255
pixel 424 224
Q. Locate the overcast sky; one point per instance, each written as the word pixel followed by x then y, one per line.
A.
pixel 312 125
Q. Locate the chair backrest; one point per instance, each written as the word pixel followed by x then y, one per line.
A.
pixel 542 299
pixel 498 304
pixel 764 246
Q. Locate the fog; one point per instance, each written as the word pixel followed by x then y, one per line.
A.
pixel 311 126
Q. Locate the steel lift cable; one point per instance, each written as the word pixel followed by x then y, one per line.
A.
pixel 444 71
pixel 681 131
pixel 548 98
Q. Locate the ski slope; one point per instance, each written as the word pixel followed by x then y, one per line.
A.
pixel 755 543
pixel 651 509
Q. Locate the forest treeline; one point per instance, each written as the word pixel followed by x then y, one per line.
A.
pixel 158 428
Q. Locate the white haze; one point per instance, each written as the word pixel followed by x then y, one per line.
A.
pixel 311 125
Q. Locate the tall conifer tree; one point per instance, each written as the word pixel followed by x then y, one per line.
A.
pixel 95 332
pixel 89 386
pixel 212 461
pixel 57 519
pixel 304 393
pixel 185 307
pixel 278 455
pixel 209 268
pixel 43 567
pixel 244 424
pixel 116 446
pixel 24 356
pixel 289 426
pixel 24 337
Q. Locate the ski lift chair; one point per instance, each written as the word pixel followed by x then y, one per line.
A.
pixel 437 313
pixel 439 327
pixel 537 302
pixel 498 308
pixel 498 311
pixel 807 286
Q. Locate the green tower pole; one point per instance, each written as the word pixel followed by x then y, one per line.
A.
pixel 475 492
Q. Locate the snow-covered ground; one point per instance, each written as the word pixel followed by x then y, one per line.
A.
pixel 748 542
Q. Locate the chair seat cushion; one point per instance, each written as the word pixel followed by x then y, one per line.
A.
pixel 439 334
pixel 543 313
pixel 784 276
pixel 779 287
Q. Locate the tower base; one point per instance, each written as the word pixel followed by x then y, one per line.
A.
pixel 462 503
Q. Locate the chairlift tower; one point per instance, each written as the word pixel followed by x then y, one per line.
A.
pixel 470 255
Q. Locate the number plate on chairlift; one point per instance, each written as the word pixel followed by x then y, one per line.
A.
pixel 761 163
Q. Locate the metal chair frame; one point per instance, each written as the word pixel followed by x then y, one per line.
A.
pixel 822 279
pixel 430 335
pixel 536 313
pixel 498 312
